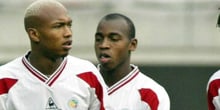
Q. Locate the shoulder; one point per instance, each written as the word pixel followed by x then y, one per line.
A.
pixel 214 82
pixel 215 76
pixel 85 70
pixel 78 61
pixel 157 91
pixel 213 89
pixel 81 66
pixel 148 82
pixel 144 81
pixel 13 62
pixel 11 68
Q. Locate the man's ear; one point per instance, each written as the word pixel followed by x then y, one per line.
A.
pixel 133 44
pixel 33 34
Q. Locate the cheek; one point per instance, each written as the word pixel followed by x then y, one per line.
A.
pixel 50 42
pixel 121 52
pixel 121 56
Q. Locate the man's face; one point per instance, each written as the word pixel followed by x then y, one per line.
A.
pixel 55 34
pixel 112 45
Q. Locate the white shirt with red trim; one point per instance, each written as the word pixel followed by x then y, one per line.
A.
pixel 213 91
pixel 137 91
pixel 75 85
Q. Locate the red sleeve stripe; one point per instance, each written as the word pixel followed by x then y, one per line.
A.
pixel 213 92
pixel 92 80
pixel 6 84
pixel 150 97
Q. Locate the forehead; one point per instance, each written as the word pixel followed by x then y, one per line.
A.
pixel 52 13
pixel 113 25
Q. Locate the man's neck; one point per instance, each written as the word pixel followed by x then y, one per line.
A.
pixel 45 65
pixel 113 76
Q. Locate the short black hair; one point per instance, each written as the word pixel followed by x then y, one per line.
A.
pixel 128 20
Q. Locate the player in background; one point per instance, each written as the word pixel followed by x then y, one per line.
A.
pixel 128 88
pixel 46 77
pixel 213 87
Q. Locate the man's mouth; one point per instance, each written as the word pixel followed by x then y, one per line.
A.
pixel 104 58
pixel 103 55
pixel 68 44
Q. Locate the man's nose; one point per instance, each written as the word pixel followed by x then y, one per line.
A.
pixel 105 44
pixel 67 31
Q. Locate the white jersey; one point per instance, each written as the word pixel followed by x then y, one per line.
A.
pixel 137 91
pixel 75 85
pixel 213 91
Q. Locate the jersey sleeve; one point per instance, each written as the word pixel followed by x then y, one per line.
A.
pixel 94 79
pixel 2 95
pixel 5 85
pixel 2 102
pixel 89 74
pixel 96 90
pixel 213 95
pixel 155 100
pixel 164 101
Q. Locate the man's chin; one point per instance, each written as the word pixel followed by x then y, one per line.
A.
pixel 64 55
pixel 106 66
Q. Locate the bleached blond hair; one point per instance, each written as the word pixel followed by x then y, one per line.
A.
pixel 36 7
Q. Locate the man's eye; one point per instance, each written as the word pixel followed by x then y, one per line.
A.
pixel 97 39
pixel 69 25
pixel 57 26
pixel 115 38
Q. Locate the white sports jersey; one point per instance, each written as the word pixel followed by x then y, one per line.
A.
pixel 213 91
pixel 75 85
pixel 137 91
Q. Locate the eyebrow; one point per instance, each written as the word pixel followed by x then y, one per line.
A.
pixel 114 33
pixel 98 33
pixel 69 20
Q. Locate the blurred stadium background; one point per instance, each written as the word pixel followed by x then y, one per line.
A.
pixel 179 43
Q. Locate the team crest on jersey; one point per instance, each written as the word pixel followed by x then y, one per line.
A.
pixel 51 105
pixel 73 103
